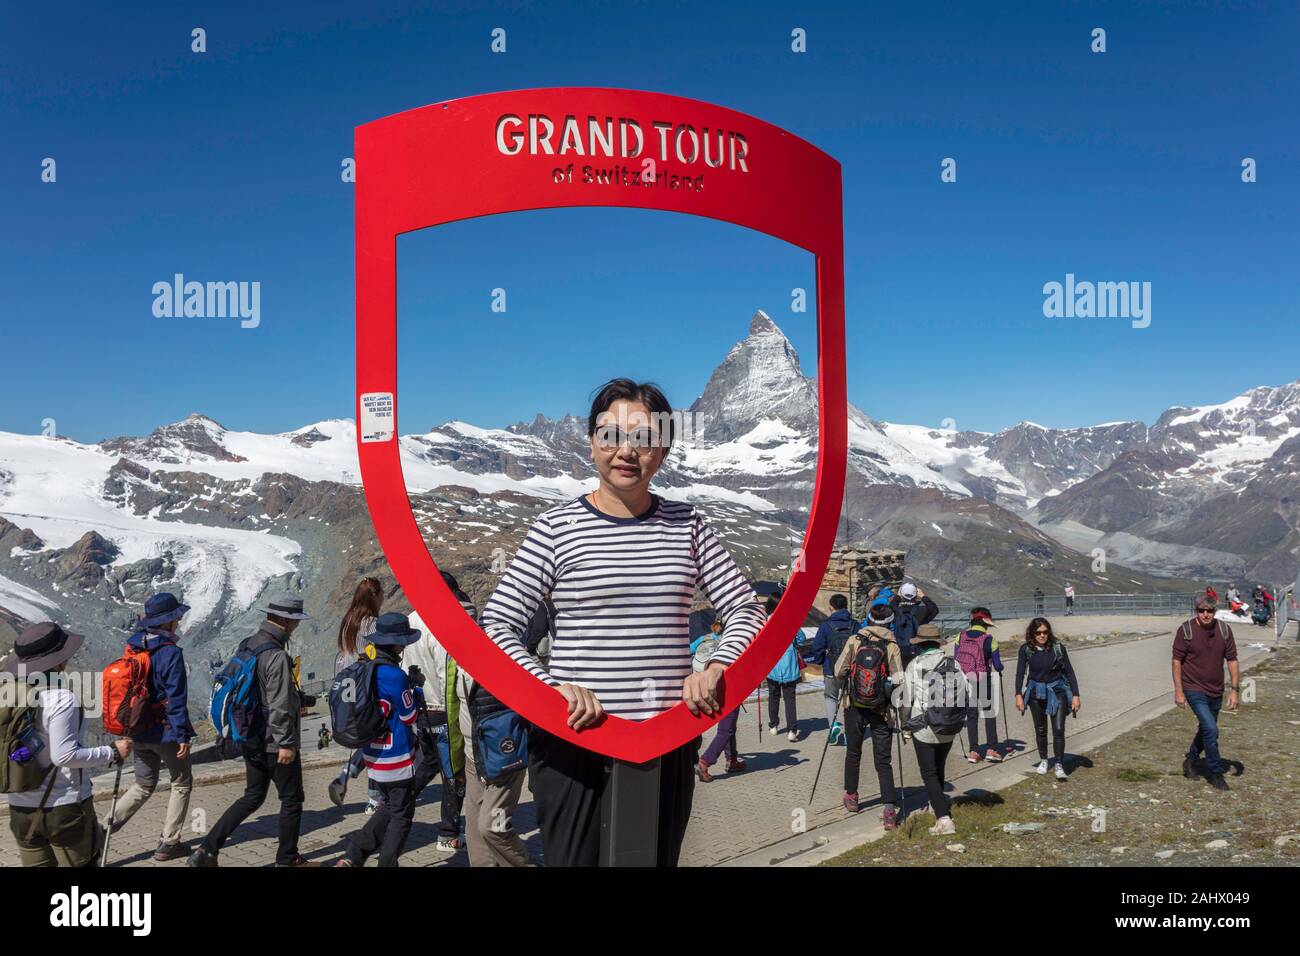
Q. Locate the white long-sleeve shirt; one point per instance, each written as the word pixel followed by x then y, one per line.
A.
pixel 622 589
pixel 59 726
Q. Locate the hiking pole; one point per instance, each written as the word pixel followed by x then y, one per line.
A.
pixel 826 746
pixel 112 811
pixel 902 783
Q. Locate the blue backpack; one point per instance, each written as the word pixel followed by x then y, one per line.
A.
pixel 236 709
pixel 355 715
pixel 499 736
pixel 904 627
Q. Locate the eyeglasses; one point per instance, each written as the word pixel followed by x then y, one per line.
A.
pixel 1205 610
pixel 1041 633
pixel 610 437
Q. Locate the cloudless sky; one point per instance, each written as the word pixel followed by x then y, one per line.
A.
pixel 225 166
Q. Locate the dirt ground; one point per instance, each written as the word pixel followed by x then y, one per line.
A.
pixel 1127 803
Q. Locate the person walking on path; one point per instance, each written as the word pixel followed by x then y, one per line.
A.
pixel 1052 691
pixel 827 645
pixel 51 810
pixel 1038 601
pixel 1069 599
pixel 1201 647
pixel 977 654
pixel 911 609
pixel 442 747
pixel 622 566
pixel 782 682
pixel 168 741
pixel 867 666
pixel 724 737
pixel 391 757
pixel 279 758
pixel 354 630
pixel 932 745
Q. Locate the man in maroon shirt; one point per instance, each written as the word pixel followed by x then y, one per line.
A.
pixel 1201 646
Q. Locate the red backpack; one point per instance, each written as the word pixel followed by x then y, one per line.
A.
pixel 128 711
pixel 869 675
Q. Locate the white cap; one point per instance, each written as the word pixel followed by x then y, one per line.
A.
pixel 908 590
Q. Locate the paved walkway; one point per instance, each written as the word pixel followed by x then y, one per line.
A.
pixel 733 817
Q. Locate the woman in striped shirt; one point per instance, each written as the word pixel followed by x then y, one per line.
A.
pixel 622 566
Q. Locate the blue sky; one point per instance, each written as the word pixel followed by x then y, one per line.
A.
pixel 1121 166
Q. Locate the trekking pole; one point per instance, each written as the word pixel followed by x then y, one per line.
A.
pixel 112 811
pixel 826 746
pixel 902 784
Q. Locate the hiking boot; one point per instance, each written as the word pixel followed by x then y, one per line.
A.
pixel 298 860
pixel 1238 768
pixel 1189 768
pixel 1060 772
pixel 201 857
pixel 772 730
pixel 851 802
pixel 338 789
pixel 1218 783
pixel 736 765
pixel 447 844
pixel 792 736
pixel 943 827
pixel 1040 767
pixel 170 851
pixel 974 757
pixel 702 771
pixel 344 861
pixel 837 730
pixel 371 807
pixel 889 817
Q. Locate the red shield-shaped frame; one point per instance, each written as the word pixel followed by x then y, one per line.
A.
pixel 443 163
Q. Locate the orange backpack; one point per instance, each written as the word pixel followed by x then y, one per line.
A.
pixel 128 712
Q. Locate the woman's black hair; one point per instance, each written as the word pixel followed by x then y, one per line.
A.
pixel 647 393
pixel 1033 626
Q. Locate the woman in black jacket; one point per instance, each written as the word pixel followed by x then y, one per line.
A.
pixel 1044 661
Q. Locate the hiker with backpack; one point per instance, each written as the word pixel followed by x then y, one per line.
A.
pixel 623 566
pixel 869 664
pixel 934 695
pixel 257 710
pixel 43 762
pixel 977 656
pixel 357 624
pixel 385 711
pixel 1201 648
pixel 827 646
pixel 153 670
pixel 724 737
pixel 911 609
pixel 1051 691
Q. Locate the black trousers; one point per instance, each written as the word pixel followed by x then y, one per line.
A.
pixel 858 722
pixel 388 827
pixel 1038 709
pixel 261 770
pixel 776 693
pixel 568 782
pixel 931 758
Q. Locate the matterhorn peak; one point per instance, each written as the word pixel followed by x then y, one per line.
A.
pixel 762 322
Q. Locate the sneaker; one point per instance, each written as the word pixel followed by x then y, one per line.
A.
pixel 837 730
pixel 1040 767
pixel 851 802
pixel 772 730
pixel 736 765
pixel 447 844
pixel 170 851
pixel 792 736
pixel 344 861
pixel 1218 783
pixel 973 757
pixel 1060 772
pixel 201 857
pixel 702 771
pixel 371 807
pixel 943 827
pixel 299 861
pixel 338 789
pixel 889 817
pixel 1189 768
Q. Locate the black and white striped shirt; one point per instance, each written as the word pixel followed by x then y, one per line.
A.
pixel 623 589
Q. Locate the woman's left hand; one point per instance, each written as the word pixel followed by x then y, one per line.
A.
pixel 700 691
pixel 1075 705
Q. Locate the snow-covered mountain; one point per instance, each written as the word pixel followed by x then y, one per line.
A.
pixel 224 516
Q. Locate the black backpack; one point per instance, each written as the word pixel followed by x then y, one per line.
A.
pixel 944 708
pixel 355 715
pixel 839 635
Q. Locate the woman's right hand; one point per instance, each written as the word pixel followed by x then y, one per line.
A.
pixel 1020 703
pixel 123 747
pixel 584 708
